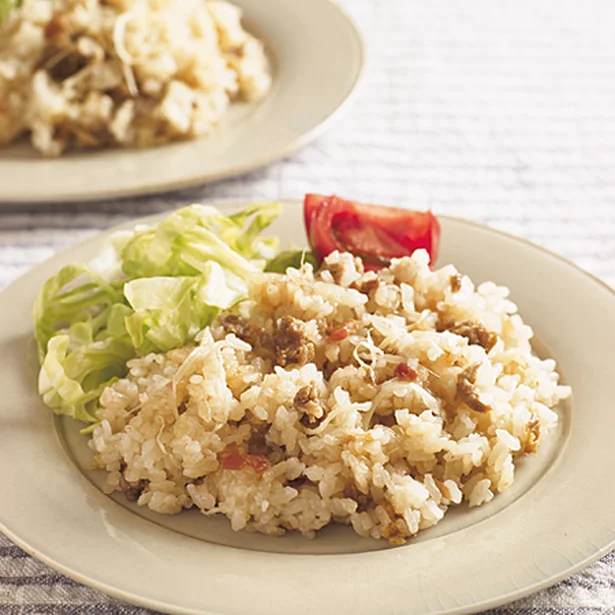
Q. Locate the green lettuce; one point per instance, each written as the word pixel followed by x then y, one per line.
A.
pixel 291 258
pixel 170 311
pixel 70 382
pixel 188 239
pixel 58 305
pixel 149 291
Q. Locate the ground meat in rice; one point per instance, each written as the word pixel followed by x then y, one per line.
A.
pixel 467 392
pixel 474 332
pixel 306 402
pixel 455 282
pixel 290 343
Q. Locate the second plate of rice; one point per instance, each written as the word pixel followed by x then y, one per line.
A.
pixel 109 99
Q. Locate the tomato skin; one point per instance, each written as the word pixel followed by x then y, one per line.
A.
pixel 311 203
pixel 322 221
pixel 375 233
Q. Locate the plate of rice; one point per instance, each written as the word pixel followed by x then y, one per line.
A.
pixel 102 99
pixel 252 406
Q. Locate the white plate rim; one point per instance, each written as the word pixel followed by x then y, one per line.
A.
pixel 166 607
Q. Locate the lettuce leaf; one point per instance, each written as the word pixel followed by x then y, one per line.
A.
pixel 58 305
pixel 70 382
pixel 291 258
pixel 185 241
pixel 151 290
pixel 168 312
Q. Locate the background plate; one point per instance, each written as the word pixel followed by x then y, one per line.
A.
pixel 317 58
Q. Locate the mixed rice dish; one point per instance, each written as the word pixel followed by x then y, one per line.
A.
pixel 376 400
pixel 137 73
pixel 371 398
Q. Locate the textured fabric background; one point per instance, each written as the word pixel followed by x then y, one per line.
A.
pixel 498 112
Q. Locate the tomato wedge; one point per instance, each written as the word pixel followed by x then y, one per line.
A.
pixel 375 233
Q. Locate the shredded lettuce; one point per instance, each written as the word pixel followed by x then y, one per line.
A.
pixel 151 290
pixel 188 239
pixel 59 306
pixel 169 311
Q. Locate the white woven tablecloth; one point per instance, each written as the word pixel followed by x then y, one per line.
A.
pixel 498 112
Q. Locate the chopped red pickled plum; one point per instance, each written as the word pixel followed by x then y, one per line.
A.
pixel 403 371
pixel 339 333
pixel 231 458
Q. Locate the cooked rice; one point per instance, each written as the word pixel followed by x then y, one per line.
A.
pixel 94 73
pixel 377 400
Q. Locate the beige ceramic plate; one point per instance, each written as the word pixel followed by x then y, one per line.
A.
pixel 317 57
pixel 557 517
